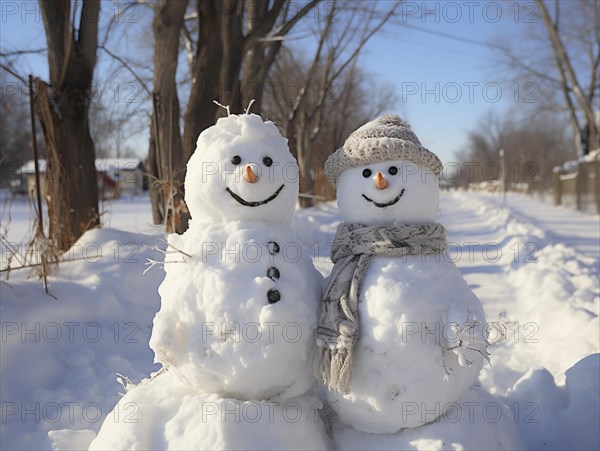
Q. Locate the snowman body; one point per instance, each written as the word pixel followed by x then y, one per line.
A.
pixel 239 305
pixel 403 374
pixel 237 318
pixel 407 364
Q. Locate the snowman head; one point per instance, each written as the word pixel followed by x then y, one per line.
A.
pixel 384 175
pixel 395 191
pixel 241 170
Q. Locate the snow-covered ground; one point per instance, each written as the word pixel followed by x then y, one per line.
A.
pixel 533 265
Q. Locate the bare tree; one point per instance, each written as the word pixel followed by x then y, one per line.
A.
pixel 562 55
pixel 532 147
pixel 165 157
pixel 237 42
pixel 340 41
pixel 577 97
pixel 62 107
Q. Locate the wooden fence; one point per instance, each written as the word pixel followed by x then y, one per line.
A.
pixel 578 187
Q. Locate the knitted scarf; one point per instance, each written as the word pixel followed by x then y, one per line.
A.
pixel 352 249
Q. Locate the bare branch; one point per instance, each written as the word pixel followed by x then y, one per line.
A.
pixel 14 74
pixel 285 28
pixel 115 17
pixel 22 52
pixel 128 67
pixel 266 23
pixel 366 38
pixel 529 68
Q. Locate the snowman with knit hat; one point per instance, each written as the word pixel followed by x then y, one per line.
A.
pixel 401 336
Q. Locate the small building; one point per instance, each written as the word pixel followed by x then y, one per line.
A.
pixel 117 177
pixel 127 175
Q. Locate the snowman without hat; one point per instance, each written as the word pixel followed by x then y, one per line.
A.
pixel 400 335
pixel 238 308
pixel 246 272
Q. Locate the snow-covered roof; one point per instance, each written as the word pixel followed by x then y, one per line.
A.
pixel 111 164
pixel 29 167
pixel 102 165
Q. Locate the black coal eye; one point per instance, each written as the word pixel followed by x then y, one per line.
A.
pixel 236 160
pixel 267 161
pixel 393 170
pixel 367 173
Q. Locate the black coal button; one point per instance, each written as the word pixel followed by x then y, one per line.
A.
pixel 273 247
pixel 273 296
pixel 273 273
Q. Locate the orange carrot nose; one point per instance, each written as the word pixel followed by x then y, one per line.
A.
pixel 249 175
pixel 380 181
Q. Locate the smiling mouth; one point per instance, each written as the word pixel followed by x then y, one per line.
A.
pixel 386 204
pixel 246 203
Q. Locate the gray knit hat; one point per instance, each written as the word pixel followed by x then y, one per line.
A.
pixel 386 138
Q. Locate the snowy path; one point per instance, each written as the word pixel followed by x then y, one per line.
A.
pixel 562 225
pixel 475 236
pixel 520 228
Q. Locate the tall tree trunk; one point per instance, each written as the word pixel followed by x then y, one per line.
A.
pixel 206 85
pixel 217 73
pixel 252 85
pixel 234 42
pixel 63 107
pixel 591 138
pixel 165 159
pixel 222 51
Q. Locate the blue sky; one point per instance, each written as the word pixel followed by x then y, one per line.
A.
pixel 439 58
pixel 447 83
